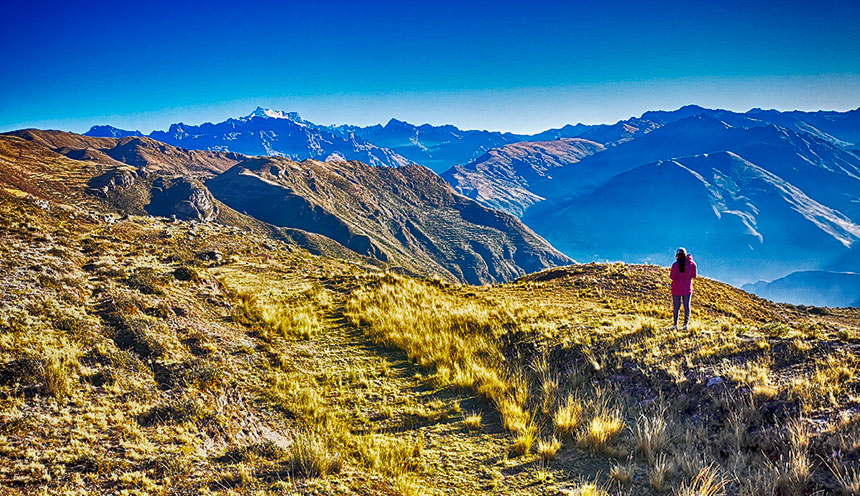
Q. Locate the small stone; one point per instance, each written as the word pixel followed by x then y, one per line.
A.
pixel 211 256
pixel 714 381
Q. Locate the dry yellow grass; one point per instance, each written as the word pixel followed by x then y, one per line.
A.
pixel 600 430
pixel 707 482
pixel 568 416
pixel 547 448
pixel 473 421
pixel 588 489
pixel 826 382
pixel 285 318
pixel 312 455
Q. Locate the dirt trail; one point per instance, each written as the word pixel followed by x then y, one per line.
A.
pixel 403 402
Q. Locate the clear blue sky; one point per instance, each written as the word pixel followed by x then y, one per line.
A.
pixel 518 66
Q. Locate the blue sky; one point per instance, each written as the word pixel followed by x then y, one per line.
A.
pixel 515 66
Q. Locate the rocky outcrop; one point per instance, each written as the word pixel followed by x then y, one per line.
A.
pixel 113 181
pixel 185 198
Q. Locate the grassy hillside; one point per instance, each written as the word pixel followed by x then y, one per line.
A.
pixel 129 363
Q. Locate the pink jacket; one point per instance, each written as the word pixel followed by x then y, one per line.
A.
pixel 682 282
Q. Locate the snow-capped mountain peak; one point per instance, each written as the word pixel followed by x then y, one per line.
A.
pixel 273 114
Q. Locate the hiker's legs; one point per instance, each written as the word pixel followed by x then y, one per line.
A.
pixel 686 299
pixel 676 307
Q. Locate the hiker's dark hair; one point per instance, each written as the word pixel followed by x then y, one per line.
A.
pixel 681 254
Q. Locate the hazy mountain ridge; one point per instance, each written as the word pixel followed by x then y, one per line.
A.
pixel 812 287
pixel 435 147
pixel 111 132
pixel 275 133
pixel 745 221
pixel 813 163
pixel 800 157
pixel 281 133
pixel 502 178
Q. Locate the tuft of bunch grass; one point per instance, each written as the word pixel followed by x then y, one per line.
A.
pixel 661 471
pixel 547 448
pixel 708 482
pixel 589 489
pixel 651 436
pixel 525 440
pixel 847 478
pixel 568 416
pixel 312 455
pixel 473 421
pixel 622 473
pixel 602 429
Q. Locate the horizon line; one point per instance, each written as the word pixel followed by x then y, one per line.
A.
pixel 383 124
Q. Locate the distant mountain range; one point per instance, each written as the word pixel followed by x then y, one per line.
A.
pixel 278 133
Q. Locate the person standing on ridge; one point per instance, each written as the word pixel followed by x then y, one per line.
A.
pixel 682 274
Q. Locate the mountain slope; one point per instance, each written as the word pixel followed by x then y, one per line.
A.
pixel 31 170
pixel 435 147
pixel 827 173
pixel 140 152
pixel 407 216
pixel 502 178
pixel 147 356
pixel 129 365
pixel 620 132
pixel 744 221
pixel 842 128
pixel 812 287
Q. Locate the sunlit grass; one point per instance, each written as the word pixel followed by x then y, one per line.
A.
pixel 600 430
